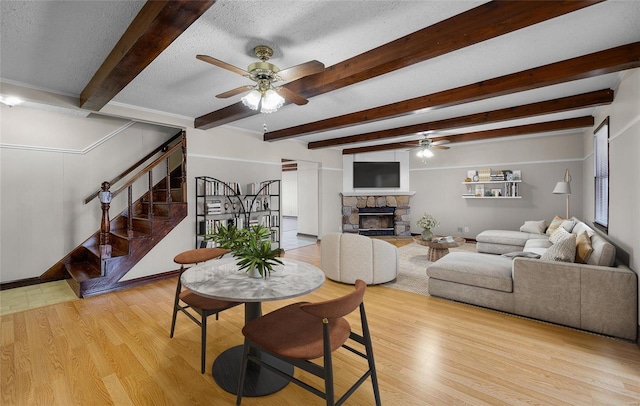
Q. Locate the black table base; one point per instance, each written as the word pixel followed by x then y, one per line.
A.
pixel 257 382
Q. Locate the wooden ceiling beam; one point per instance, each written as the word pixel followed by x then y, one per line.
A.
pixel 156 26
pixel 481 23
pixel 558 125
pixel 598 63
pixel 584 100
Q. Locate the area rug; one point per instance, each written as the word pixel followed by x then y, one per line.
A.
pixel 412 275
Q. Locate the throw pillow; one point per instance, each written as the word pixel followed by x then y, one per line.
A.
pixel 534 227
pixel 555 223
pixel 558 235
pixel 568 225
pixel 524 254
pixel 564 250
pixel 583 247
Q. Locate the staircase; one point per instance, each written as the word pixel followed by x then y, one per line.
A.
pixel 91 268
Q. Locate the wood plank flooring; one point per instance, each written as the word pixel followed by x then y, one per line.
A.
pixel 115 349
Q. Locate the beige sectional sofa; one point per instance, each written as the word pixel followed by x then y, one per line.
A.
pixel 598 296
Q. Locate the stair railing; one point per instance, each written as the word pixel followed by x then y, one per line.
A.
pixel 106 195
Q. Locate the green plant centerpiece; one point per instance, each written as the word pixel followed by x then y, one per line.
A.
pixel 250 246
pixel 427 223
pixel 229 237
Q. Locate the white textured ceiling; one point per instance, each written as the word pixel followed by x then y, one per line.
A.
pixel 58 46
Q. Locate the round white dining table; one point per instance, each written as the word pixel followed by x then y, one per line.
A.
pixel 221 279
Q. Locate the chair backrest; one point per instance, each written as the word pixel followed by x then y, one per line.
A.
pixel 346 257
pixel 199 255
pixel 334 308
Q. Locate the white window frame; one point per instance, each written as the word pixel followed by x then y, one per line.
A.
pixel 601 176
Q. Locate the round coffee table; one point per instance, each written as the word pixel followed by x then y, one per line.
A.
pixel 438 250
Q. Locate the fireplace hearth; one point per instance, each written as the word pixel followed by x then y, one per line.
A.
pixel 376 221
pixel 376 215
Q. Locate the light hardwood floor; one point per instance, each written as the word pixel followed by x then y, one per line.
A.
pixel 115 349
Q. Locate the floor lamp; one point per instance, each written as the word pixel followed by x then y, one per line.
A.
pixel 564 188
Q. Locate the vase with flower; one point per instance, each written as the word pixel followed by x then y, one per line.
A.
pixel 427 223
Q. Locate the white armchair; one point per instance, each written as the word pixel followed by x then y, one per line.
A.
pixel 347 257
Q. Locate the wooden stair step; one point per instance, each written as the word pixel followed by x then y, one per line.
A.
pixel 82 271
pixel 95 250
pixel 124 234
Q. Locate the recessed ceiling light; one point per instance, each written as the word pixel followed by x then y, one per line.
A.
pixel 11 100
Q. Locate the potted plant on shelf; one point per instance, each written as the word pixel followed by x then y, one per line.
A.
pixel 250 246
pixel 427 223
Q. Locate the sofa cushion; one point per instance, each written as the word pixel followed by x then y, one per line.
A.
pixel 537 245
pixel 580 227
pixel 564 250
pixel 559 234
pixel 604 253
pixel 583 247
pixel 555 223
pixel 568 225
pixel 534 227
pixel 506 237
pixel 474 269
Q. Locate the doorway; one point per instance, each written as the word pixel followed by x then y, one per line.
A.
pixel 300 210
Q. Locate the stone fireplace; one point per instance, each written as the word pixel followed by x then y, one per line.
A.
pixel 376 214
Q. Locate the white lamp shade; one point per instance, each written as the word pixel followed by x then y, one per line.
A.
pixel 252 100
pixel 562 188
pixel 424 153
pixel 271 102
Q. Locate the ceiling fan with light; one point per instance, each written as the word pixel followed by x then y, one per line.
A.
pixel 263 94
pixel 425 146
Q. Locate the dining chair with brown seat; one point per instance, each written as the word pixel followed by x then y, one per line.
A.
pixel 301 332
pixel 201 305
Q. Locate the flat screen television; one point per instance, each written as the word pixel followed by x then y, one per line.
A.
pixel 376 174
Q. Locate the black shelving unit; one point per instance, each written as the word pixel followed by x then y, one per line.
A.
pixel 220 203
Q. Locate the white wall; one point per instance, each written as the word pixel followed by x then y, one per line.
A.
pixel 308 202
pixel 42 186
pixel 624 169
pixel 380 156
pixel 542 160
pixel 49 163
pixel 290 193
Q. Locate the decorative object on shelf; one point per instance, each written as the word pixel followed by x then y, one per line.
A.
pixel 502 184
pixel 427 222
pixel 516 175
pixel 564 188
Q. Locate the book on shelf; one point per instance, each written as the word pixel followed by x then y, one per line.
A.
pixel 214 207
pixel 484 174
pixel 497 175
